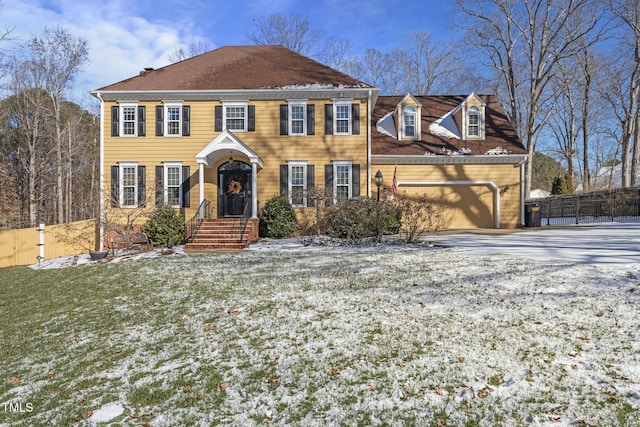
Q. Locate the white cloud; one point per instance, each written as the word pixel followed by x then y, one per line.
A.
pixel 121 42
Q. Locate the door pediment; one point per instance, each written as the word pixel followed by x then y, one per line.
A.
pixel 222 146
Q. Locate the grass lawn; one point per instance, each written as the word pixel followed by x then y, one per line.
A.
pixel 400 336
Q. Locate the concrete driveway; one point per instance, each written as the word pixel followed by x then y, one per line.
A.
pixel 614 245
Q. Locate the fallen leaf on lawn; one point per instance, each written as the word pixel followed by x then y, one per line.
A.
pixel 224 386
pixel 187 388
pixel 207 328
pixel 87 414
pixel 14 380
pixel 233 312
pixel 464 404
pixel 485 392
pixel 437 390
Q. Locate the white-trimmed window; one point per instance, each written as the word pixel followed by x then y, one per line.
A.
pixel 235 116
pixel 297 118
pixel 409 129
pixel 172 183
pixel 342 117
pixel 298 183
pixel 128 183
pixel 473 122
pixel 128 119
pixel 342 179
pixel 173 119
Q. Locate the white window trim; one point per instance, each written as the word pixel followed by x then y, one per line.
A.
pixel 415 123
pixel 166 106
pixel 337 163
pixel 166 166
pixel 337 103
pixel 245 105
pixel 302 104
pixel 122 106
pixel 121 184
pixel 291 164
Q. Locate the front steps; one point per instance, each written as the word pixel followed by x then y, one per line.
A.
pixel 224 234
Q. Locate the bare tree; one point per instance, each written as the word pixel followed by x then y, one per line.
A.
pixel 195 48
pixel 524 40
pixel 428 68
pixel 294 32
pixel 55 58
pixel 627 13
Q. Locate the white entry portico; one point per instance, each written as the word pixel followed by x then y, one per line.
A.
pixel 224 146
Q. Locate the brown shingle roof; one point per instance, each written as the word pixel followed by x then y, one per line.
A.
pixel 239 67
pixel 498 130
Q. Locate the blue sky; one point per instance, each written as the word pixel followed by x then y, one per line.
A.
pixel 124 36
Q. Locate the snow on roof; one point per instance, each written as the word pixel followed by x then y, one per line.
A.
pixel 445 126
pixel 387 126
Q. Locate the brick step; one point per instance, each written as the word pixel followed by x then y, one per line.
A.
pixel 222 234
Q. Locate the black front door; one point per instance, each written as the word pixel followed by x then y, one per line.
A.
pixel 234 189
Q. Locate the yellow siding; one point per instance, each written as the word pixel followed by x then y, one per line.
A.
pixel 466 206
pixel 266 141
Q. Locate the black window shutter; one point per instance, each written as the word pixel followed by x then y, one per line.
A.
pixel 355 178
pixel 284 180
pixel 159 186
pixel 311 182
pixel 251 118
pixel 142 121
pixel 186 187
pixel 311 119
pixel 284 119
pixel 142 186
pixel 328 119
pixel 218 118
pixel 355 119
pixel 115 121
pixel 328 177
pixel 115 186
pixel 186 120
pixel 159 120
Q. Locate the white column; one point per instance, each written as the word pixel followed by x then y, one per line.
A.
pixel 254 190
pixel 201 186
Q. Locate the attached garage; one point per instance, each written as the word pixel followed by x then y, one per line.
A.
pixel 476 174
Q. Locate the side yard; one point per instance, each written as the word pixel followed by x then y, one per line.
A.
pixel 374 336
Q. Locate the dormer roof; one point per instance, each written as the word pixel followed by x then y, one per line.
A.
pixel 441 134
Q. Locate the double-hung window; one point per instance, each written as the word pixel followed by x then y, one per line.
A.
pixel 473 122
pixel 409 121
pixel 172 182
pixel 235 116
pixel 298 183
pixel 297 118
pixel 342 117
pixel 128 119
pixel 173 119
pixel 128 183
pixel 342 180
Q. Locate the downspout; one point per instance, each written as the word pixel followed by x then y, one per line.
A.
pixel 369 144
pixel 491 184
pixel 522 192
pixel 101 172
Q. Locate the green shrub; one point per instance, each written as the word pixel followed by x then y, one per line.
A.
pixel 277 218
pixel 165 224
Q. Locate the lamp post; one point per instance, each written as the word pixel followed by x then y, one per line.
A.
pixel 378 177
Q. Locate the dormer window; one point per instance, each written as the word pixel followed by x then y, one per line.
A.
pixel 473 122
pixel 409 122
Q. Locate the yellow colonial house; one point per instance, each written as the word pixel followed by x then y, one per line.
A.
pixel 217 135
